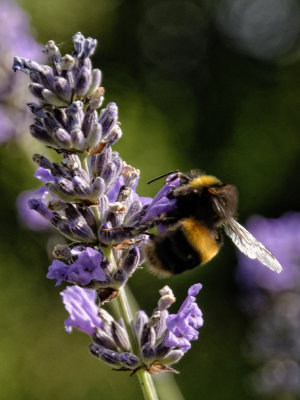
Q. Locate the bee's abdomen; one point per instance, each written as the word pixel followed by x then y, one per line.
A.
pixel 183 246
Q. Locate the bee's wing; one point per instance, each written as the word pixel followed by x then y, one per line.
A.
pixel 248 245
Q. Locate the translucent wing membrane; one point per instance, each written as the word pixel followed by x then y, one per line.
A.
pixel 248 245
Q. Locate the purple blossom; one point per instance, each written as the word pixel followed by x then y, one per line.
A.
pixel 282 237
pixel 86 268
pixel 183 326
pixel 16 38
pixel 80 304
pixel 44 175
pixel 161 203
pixel 273 303
pixel 29 217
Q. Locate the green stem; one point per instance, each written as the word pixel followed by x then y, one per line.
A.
pixel 144 377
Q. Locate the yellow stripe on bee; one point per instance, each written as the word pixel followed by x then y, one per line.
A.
pixel 207 180
pixel 200 238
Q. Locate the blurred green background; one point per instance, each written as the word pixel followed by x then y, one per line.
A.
pixel 194 91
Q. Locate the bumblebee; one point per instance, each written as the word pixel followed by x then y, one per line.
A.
pixel 192 235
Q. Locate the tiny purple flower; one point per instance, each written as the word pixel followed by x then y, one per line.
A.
pixel 85 269
pixel 80 304
pixel 183 326
pixel 29 217
pixel 161 203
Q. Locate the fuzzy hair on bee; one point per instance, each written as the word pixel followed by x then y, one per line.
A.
pixel 204 205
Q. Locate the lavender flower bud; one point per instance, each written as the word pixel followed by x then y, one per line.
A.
pixel 117 160
pixel 96 76
pixel 167 298
pixel 62 88
pixel 108 173
pixel 26 65
pixel 78 139
pixel 148 354
pixel 100 160
pixel 41 135
pixel 42 161
pixel 98 188
pixel 65 229
pixel 90 119
pixel 83 231
pixel 62 138
pixel 130 174
pixel 141 319
pixel 83 82
pixel 131 261
pixel 63 186
pixel 51 98
pixel 172 357
pixel 36 89
pixel 46 76
pixel 51 123
pixel 103 207
pixel 114 135
pixel 52 52
pixel 162 350
pixel 80 186
pixel 148 336
pixel 94 135
pixel 119 278
pixel 37 205
pixel 129 360
pixel 120 336
pixel 89 47
pixel 133 211
pixel 67 62
pixel 161 325
pixel 106 265
pixel 96 97
pixel 37 110
pixel 75 115
pixel 89 216
pixel 108 356
pixel 104 340
pixel 108 118
pixel 78 41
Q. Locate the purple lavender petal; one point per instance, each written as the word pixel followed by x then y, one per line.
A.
pixel 80 303
pixel 44 175
pixel 58 270
pixel 29 217
pixel 182 326
pixel 282 237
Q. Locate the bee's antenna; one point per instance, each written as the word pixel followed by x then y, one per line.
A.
pixel 162 176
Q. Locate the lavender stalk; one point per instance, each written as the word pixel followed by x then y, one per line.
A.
pixel 90 198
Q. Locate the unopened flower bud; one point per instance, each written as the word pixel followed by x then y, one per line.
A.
pixel 110 357
pixel 148 354
pixel 172 357
pixel 52 52
pixel 51 98
pixel 83 82
pixel 95 82
pixel 120 336
pixel 131 261
pixel 119 278
pixel 62 88
pixel 62 138
pixel 129 360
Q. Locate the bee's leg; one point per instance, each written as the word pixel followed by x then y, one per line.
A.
pixel 138 230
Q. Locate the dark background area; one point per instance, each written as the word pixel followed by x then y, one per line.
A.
pixel 194 91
